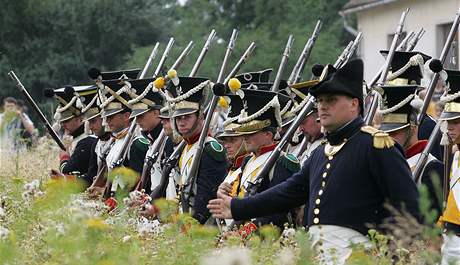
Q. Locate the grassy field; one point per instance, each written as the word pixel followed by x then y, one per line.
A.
pixel 45 221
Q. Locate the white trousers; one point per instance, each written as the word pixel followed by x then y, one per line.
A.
pixel 450 250
pixel 334 243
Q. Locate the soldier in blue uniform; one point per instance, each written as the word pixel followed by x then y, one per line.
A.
pixel 75 160
pixel 259 123
pixel 345 182
pixel 400 110
pixel 187 97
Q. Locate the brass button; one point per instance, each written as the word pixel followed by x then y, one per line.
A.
pixel 323 184
pixel 316 211
pixel 320 192
pixel 328 165
pixel 318 201
pixel 330 157
pixel 316 220
pixel 324 174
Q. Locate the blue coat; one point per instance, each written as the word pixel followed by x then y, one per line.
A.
pixel 357 181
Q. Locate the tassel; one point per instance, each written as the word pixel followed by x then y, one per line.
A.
pixel 79 104
pixel 445 137
pixel 417 103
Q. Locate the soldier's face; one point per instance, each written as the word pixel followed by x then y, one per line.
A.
pixel 167 126
pixel 233 145
pixel 95 125
pixel 118 122
pixel 185 123
pixel 257 140
pixel 148 120
pixel 335 111
pixel 453 130
pixel 310 127
pixel 71 125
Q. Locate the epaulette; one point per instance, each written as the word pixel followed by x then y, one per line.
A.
pixel 290 162
pixel 215 150
pixel 381 139
pixel 141 143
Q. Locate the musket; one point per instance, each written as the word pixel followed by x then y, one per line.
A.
pixel 302 147
pixel 163 57
pixel 297 71
pixel 151 57
pixel 243 59
pixel 445 185
pixel 434 81
pixel 404 43
pixel 203 52
pixel 353 48
pixel 415 40
pixel 373 107
pixel 154 153
pixel 183 55
pixel 284 60
pixel 37 110
pixel 188 187
pixel 343 55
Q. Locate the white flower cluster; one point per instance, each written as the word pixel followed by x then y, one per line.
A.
pixel 288 237
pixel 137 197
pixel 81 207
pixel 32 191
pixel 146 227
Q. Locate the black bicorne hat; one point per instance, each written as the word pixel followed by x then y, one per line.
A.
pixel 95 73
pixel 115 96
pixel 347 80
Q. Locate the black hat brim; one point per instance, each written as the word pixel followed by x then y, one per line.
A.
pixel 182 112
pixel 392 127
pixel 448 116
pixel 137 112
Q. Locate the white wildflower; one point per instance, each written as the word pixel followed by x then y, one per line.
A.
pixel 126 239
pixel 2 213
pixel 145 227
pixel 228 256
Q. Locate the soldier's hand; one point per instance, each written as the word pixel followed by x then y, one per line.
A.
pixel 220 207
pixel 150 211
pixel 224 189
pixel 95 191
pixel 54 174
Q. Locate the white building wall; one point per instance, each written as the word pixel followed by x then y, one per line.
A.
pixel 379 22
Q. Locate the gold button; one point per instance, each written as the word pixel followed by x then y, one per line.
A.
pixel 316 211
pixel 323 184
pixel 324 174
pixel 316 220
pixel 328 165
pixel 318 201
pixel 320 192
pixel 330 157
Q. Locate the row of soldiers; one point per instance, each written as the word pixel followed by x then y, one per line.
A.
pixel 334 175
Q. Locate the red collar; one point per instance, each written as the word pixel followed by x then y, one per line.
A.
pixel 264 149
pixel 416 148
pixel 193 139
pixel 239 160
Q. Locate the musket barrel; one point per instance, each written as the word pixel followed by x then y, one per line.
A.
pixel 203 52
pixel 183 55
pixel 163 57
pixel 37 110
pixel 343 55
pixel 386 66
pixel 284 60
pixel 149 61
pixel 304 55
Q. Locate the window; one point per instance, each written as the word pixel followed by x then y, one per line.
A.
pixel 442 32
